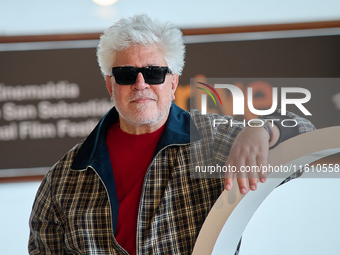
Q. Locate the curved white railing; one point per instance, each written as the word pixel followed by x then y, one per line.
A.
pixel 232 211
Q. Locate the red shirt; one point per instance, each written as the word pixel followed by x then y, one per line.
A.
pixel 130 157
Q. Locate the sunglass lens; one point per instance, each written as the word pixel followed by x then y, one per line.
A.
pixel 125 76
pixel 154 75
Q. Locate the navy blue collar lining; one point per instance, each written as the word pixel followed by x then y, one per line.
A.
pixel 91 151
pixel 177 129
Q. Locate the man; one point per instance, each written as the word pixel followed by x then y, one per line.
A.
pixel 127 189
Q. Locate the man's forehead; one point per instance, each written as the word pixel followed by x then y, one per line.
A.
pixel 140 56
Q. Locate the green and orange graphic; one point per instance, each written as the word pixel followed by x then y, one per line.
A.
pixel 208 92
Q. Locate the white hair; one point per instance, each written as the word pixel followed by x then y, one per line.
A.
pixel 141 30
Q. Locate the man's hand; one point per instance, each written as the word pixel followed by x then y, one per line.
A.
pixel 250 148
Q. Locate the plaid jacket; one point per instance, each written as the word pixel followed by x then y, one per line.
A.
pixel 76 207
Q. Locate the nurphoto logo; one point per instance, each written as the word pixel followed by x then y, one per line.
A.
pixel 239 101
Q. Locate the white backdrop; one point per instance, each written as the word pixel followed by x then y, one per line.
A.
pixel 79 16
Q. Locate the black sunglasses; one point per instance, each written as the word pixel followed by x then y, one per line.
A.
pixel 127 75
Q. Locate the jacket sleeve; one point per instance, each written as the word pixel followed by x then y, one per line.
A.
pixel 290 125
pixel 46 231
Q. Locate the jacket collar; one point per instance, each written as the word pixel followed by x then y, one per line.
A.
pixel 179 128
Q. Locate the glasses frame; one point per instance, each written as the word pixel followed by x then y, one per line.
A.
pixel 145 72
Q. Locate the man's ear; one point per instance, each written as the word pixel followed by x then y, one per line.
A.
pixel 108 84
pixel 174 84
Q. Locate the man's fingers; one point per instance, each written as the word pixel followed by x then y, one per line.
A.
pixel 229 179
pixel 248 156
pixel 242 178
pixel 248 172
pixel 252 177
pixel 242 185
pixel 262 162
pixel 252 173
pixel 228 183
pixel 262 176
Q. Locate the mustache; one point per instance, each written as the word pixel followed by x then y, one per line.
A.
pixel 142 94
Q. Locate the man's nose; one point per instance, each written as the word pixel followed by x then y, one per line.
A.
pixel 140 83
